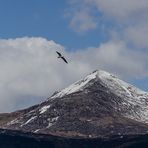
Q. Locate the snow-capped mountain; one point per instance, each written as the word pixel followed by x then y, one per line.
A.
pixel 98 105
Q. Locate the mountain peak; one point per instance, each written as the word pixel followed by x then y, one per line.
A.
pixel 108 79
pixel 100 104
pixel 77 86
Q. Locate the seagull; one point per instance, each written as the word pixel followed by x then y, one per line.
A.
pixel 62 57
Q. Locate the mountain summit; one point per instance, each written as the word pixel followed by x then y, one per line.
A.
pixel 99 105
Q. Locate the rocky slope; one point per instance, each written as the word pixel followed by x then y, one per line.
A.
pixel 100 105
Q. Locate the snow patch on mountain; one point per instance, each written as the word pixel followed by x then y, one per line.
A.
pixel 37 130
pixel 52 121
pixel 119 86
pixel 13 122
pixel 44 109
pixel 77 86
pixel 30 120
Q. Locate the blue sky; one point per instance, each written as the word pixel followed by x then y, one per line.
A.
pixel 43 19
pixel 92 34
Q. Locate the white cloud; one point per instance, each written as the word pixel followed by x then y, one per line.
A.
pixel 128 18
pixel 137 35
pixel 116 57
pixel 31 72
pixel 121 10
pixel 81 17
pixel 82 21
pixel 29 67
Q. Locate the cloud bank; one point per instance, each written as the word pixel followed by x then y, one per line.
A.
pixel 30 71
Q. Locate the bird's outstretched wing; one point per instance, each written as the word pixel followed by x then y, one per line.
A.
pixel 58 53
pixel 64 60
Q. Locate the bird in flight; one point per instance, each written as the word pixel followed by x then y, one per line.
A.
pixel 62 57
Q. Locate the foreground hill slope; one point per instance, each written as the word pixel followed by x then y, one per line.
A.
pixel 17 139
